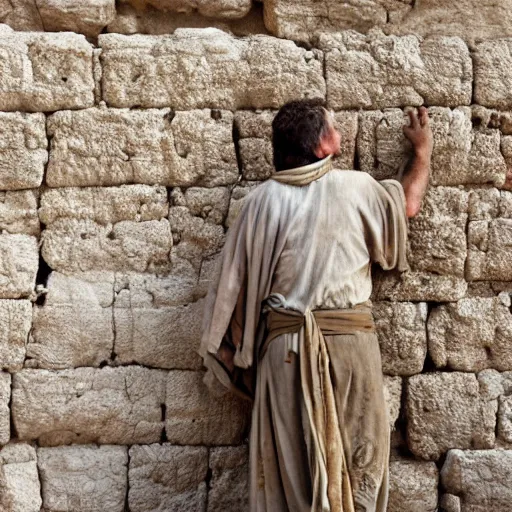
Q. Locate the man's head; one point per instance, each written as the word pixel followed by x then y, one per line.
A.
pixel 303 132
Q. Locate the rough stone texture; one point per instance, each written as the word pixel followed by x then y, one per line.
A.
pixel 102 146
pixel 165 478
pixel 207 69
pixel 393 396
pixel 20 490
pixel 5 396
pixel 401 328
pixel 462 154
pixel 481 479
pixel 448 410
pixel 412 486
pixel 196 416
pixel 472 334
pixel 501 385
pixel 23 153
pixel 18 212
pixel 21 15
pixel 229 485
pixel 85 478
pixel 44 72
pixel 237 200
pixel 119 228
pixel 378 71
pixel 86 405
pixel 74 327
pixel 18 265
pixel 15 323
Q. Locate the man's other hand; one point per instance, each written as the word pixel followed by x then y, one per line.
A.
pixel 419 133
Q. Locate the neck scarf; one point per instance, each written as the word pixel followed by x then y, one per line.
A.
pixel 304 175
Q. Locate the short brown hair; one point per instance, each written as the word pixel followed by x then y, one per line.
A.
pixel 296 132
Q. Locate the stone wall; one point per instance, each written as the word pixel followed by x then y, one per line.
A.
pixel 124 159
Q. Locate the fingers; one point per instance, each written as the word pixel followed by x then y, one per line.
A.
pixel 413 118
pixel 423 116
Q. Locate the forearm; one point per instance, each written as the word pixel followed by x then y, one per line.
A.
pixel 415 182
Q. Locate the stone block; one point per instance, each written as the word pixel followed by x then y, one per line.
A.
pixel 165 478
pixel 19 260
pixel 376 71
pixel 19 480
pixel 393 396
pixel 402 333
pixel 501 385
pixel 18 212
pixel 119 228
pixel 88 405
pixel 207 68
pixel 42 72
pixel 229 485
pixel 21 15
pixel 5 396
pixel 101 146
pixel 15 325
pixel 462 154
pixel 23 152
pixel 84 478
pixel 472 334
pixel 74 327
pixel 196 417
pixel 412 485
pixel 448 410
pixel 481 479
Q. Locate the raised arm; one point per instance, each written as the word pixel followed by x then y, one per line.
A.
pixel 415 181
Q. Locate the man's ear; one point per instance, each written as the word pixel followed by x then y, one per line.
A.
pixel 323 149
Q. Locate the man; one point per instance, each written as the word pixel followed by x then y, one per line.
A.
pixel 289 322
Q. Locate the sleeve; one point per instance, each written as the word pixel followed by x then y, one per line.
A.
pixel 386 224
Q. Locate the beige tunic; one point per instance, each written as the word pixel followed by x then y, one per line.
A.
pixel 306 247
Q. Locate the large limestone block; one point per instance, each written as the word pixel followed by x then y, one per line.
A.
pixel 412 486
pixel 229 485
pixel 19 260
pixel 402 333
pixel 87 405
pixel 481 479
pixel 74 327
pixel 18 212
pixel 378 71
pixel 101 146
pixel 5 396
pixel 15 325
pixel 44 72
pixel 462 154
pixel 501 385
pixel 118 228
pixel 84 478
pixel 195 416
pixel 393 397
pixel 230 9
pixel 20 490
pixel 23 153
pixel 448 410
pixel 472 334
pixel 207 68
pixel 21 15
pixel 165 478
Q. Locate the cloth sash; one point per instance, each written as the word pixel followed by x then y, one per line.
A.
pixel 332 490
pixel 301 176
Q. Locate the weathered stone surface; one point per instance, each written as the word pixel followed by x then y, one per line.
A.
pixel 378 71
pixel 18 212
pixel 401 329
pixel 229 485
pixel 18 265
pixel 448 410
pixel 462 154
pixel 237 200
pixel 45 72
pixel 87 405
pixel 501 385
pixel 21 15
pixel 23 153
pixel 20 490
pixel 119 228
pixel 393 396
pixel 412 486
pixel 101 146
pixel 85 478
pixel 195 416
pixel 74 327
pixel 481 479
pixel 15 324
pixel 472 334
pixel 5 396
pixel 165 478
pixel 87 17
pixel 207 69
